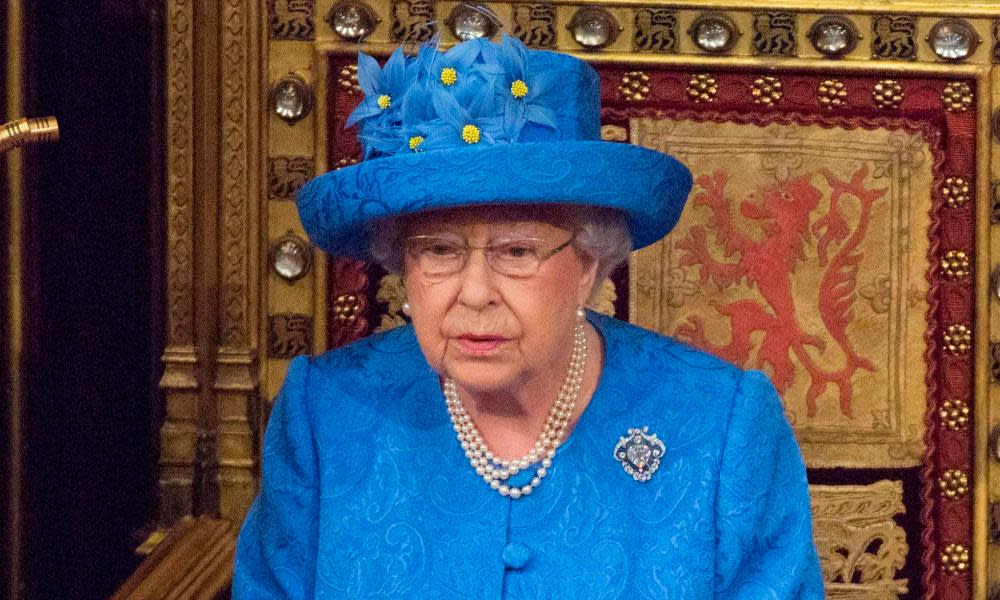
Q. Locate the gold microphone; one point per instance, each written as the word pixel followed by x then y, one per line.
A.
pixel 28 131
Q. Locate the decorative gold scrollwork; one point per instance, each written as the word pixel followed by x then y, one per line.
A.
pixel 954 414
pixel 535 24
pixel 894 37
pixel 391 293
pixel 957 97
pixel 614 133
pixel 291 20
pixel 289 335
pixel 954 484
pixel 347 79
pixel 286 174
pixel 774 34
pixel 860 545
pixel 766 90
pixel 655 30
pixel 634 86
pixel 887 93
pixel 413 20
pixel 955 559
pixel 702 88
pixel 957 338
pixel 831 93
pixel 955 264
pixel 604 301
pixel 956 191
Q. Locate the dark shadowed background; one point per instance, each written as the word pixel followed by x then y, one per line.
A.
pixel 92 252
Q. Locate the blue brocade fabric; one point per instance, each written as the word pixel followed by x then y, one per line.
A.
pixel 367 494
pixel 650 187
pixel 544 148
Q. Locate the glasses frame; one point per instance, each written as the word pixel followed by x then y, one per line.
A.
pixel 467 252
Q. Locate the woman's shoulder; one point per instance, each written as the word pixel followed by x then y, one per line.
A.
pixel 661 351
pixel 382 358
pixel 668 375
pixel 664 376
pixel 373 351
pixel 370 365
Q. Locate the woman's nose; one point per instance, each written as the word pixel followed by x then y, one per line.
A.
pixel 478 281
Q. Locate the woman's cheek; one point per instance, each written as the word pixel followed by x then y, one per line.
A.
pixel 431 344
pixel 426 318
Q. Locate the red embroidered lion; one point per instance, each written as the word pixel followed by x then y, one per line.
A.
pixel 782 218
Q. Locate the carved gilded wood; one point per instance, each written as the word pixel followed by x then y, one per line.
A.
pixel 861 547
pixel 236 371
pixel 180 382
pixel 215 180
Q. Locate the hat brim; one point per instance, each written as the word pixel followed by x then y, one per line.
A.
pixel 649 186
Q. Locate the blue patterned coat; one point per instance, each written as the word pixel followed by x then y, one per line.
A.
pixel 367 494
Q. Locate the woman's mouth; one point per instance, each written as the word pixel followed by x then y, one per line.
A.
pixel 479 345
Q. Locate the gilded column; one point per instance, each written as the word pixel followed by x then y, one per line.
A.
pixel 178 435
pixel 236 379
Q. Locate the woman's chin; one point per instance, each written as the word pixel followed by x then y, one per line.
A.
pixel 480 381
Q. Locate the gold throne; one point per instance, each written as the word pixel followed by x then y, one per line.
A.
pixel 840 236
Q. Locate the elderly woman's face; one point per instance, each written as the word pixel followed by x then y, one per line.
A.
pixel 491 321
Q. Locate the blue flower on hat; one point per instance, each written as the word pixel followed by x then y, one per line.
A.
pixel 390 141
pixel 435 148
pixel 453 70
pixel 384 88
pixel 522 93
pixel 457 124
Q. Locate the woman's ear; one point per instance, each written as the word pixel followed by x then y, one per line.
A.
pixel 588 280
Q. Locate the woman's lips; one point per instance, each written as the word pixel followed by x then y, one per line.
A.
pixel 479 345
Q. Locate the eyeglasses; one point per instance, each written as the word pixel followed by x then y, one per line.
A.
pixel 441 257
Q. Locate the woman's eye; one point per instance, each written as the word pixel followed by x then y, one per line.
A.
pixel 518 251
pixel 442 249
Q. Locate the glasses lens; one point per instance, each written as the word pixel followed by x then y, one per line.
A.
pixel 518 258
pixel 441 257
pixel 436 256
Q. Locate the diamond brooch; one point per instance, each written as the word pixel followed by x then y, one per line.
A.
pixel 639 452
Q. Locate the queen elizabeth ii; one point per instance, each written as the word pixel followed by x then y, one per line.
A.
pixel 509 443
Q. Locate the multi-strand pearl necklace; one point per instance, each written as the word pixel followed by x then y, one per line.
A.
pixel 496 471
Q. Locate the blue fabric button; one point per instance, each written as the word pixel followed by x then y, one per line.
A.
pixel 515 555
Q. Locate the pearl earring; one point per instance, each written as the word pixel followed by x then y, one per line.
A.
pixel 406 308
pixel 581 314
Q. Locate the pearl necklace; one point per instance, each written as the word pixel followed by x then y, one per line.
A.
pixel 496 471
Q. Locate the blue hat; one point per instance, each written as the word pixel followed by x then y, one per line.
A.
pixel 485 123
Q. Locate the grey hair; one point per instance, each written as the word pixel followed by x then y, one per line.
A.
pixel 602 235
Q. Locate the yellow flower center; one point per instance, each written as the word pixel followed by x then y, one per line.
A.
pixel 518 88
pixel 449 76
pixel 384 101
pixel 415 142
pixel 470 134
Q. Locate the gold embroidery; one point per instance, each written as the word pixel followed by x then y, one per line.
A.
pixel 634 86
pixel 861 547
pixel 702 88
